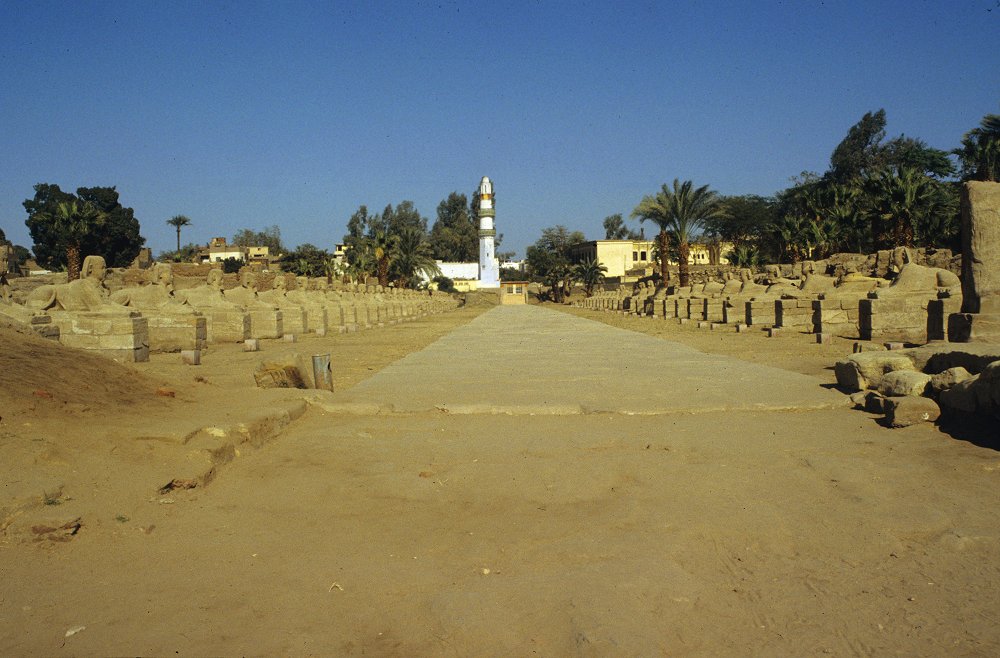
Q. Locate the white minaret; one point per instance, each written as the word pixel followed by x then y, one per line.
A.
pixel 489 268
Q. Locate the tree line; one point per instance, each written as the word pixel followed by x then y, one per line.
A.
pixel 877 193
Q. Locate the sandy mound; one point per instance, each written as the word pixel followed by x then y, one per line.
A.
pixel 34 369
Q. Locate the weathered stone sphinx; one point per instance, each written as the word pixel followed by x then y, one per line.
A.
pixel 316 314
pixel 837 312
pixel 979 319
pixel 794 310
pixel 736 309
pixel 226 322
pixel 266 320
pixel 914 307
pixel 294 315
pixel 87 319
pixel 173 325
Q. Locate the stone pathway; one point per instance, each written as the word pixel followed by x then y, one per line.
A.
pixel 526 360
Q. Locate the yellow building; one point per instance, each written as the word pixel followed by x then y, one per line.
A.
pixel 621 256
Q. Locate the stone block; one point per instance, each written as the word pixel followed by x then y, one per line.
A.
pixel 772 332
pixel 226 325
pixel 894 346
pixel 251 345
pixel 266 323
pixel 906 411
pixel 761 311
pixel 866 369
pixel 191 357
pixel 904 382
pixel 948 378
pixel 174 333
pixel 741 328
pixel 290 338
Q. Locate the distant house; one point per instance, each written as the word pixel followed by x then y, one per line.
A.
pixel 218 251
pixel 626 256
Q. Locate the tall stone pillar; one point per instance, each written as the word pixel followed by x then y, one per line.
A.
pixel 980 316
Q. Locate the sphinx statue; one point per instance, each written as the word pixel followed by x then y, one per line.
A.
pixel 87 293
pixel 920 280
pixel 207 295
pixel 158 295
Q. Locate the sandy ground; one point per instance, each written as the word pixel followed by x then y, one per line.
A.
pixel 716 533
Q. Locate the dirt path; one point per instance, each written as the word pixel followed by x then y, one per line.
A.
pixel 693 531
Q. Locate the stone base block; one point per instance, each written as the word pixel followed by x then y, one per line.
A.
pixel 251 345
pixel 266 323
pixel 911 319
pixel 175 333
pixel 761 312
pixel 122 337
pixel 973 327
pixel 794 314
pixel 191 357
pixel 226 325
pixel 294 320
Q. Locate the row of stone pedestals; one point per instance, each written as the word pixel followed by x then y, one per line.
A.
pixel 130 335
pixel 907 317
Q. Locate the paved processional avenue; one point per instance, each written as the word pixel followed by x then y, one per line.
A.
pixel 525 360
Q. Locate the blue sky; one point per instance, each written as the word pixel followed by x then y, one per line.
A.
pixel 247 114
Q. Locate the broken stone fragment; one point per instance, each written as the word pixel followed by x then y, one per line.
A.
pixel 906 411
pixel 945 380
pixel 960 398
pixel 865 369
pixel 901 383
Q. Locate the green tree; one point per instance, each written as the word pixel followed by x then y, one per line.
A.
pixel 178 221
pixel 305 260
pixel 269 237
pixel 860 152
pixel 744 221
pixel 72 221
pixel 680 212
pixel 979 154
pixel 381 245
pixel 454 235
pixel 590 273
pixel 897 200
pixel 118 241
pixel 549 262
pixel 412 257
pixel 615 229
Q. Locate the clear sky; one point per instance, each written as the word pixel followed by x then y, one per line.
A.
pixel 249 114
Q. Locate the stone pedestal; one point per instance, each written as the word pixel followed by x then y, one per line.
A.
pixel 836 316
pixel 761 311
pixel 225 325
pixel 123 337
pixel 177 333
pixel 979 319
pixel 715 310
pixel 266 323
pixel 794 314
pixel 912 319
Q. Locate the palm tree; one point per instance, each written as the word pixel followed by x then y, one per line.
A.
pixel 331 268
pixel 657 210
pixel 74 221
pixel 590 272
pixel 177 221
pixel 898 201
pixel 381 245
pixel 980 152
pixel 679 212
pixel 412 255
